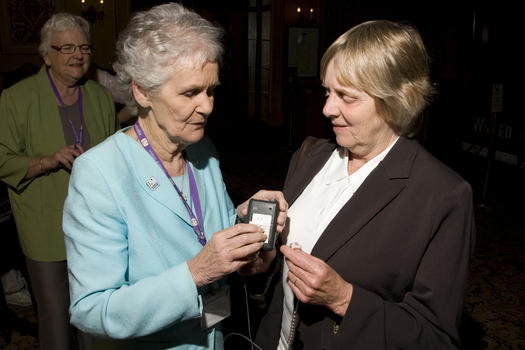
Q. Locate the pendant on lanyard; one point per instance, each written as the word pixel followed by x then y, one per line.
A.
pixel 78 139
pixel 199 230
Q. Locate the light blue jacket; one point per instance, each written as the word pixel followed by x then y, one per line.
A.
pixel 128 246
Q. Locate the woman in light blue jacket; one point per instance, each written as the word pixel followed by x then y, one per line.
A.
pixel 150 229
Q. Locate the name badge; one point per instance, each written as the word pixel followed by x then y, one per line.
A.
pixel 217 306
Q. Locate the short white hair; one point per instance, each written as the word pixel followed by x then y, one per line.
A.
pixel 58 23
pixel 158 38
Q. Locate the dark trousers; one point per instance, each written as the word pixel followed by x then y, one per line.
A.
pixel 49 282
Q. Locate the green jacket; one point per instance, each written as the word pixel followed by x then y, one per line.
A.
pixel 30 127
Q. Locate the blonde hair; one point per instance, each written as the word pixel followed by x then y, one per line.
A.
pixel 389 62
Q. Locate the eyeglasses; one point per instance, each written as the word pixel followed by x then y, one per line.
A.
pixel 70 48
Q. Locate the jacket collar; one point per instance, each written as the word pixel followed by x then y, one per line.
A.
pixel 298 178
pixel 384 183
pixel 156 184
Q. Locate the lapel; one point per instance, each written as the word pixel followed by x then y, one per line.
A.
pixel 50 123
pixel 306 170
pixel 383 184
pixel 88 110
pixel 144 167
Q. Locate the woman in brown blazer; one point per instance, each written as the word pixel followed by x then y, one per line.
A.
pixel 384 231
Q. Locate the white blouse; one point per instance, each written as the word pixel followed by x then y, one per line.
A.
pixel 314 209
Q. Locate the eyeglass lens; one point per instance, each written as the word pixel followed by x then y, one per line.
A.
pixel 72 48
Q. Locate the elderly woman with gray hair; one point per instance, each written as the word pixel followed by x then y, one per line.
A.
pixel 150 229
pixel 46 122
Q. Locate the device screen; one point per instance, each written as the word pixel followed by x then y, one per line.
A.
pixel 264 221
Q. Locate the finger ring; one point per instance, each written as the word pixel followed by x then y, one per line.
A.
pixel 294 282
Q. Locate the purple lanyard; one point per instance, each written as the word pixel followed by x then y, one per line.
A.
pixel 80 139
pixel 199 230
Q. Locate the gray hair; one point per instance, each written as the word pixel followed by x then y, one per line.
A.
pixel 58 23
pixel 155 40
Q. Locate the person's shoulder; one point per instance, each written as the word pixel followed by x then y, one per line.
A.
pixel 313 149
pixel 320 145
pixel 112 160
pixel 24 83
pixel 27 85
pixel 93 87
pixel 429 167
pixel 111 150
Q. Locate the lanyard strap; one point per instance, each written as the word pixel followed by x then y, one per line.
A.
pixel 199 230
pixel 78 139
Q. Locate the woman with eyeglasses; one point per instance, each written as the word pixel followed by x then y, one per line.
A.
pixel 46 122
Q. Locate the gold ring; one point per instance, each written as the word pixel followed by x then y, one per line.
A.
pixel 296 278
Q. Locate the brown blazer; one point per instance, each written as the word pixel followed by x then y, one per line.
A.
pixel 404 240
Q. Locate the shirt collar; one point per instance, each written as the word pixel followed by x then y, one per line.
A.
pixel 338 166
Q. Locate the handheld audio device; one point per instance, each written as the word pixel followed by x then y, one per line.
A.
pixel 264 214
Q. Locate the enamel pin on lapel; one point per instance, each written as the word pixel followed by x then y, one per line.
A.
pixel 152 183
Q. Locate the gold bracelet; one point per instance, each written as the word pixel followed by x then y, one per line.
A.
pixel 42 169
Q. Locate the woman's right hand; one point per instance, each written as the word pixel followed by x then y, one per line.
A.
pixel 65 157
pixel 227 251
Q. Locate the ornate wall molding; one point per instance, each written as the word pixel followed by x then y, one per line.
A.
pixel 21 23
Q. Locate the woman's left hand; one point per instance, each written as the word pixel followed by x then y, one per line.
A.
pixel 263 195
pixel 314 282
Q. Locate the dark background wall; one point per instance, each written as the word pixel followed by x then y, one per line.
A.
pixel 473 45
